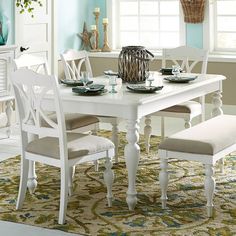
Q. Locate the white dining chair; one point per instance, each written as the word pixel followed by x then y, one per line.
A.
pixel 187 58
pixel 73 121
pixel 54 146
pixel 73 62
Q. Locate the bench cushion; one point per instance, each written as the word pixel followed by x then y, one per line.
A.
pixel 209 137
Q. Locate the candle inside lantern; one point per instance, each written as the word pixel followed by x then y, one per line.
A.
pixel 93 27
pixel 105 20
pixel 97 9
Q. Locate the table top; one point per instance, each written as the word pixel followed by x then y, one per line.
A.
pixel 129 105
pixel 126 97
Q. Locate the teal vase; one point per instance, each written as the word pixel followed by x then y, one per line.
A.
pixel 4 29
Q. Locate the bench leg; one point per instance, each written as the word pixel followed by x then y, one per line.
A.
pixel 163 179
pixel 209 188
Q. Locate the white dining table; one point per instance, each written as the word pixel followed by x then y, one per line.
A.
pixel 132 107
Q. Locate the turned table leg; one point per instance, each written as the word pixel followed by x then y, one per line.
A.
pixel 132 155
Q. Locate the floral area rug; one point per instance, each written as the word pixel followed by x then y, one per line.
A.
pixel 88 213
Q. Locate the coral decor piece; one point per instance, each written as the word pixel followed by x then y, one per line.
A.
pixel 193 10
pixel 85 37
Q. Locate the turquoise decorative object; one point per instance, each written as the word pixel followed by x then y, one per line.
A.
pixel 4 29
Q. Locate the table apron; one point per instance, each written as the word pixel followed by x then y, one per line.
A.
pixel 162 103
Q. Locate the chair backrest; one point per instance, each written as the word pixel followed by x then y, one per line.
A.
pixel 72 61
pixel 29 61
pixel 186 57
pixel 30 90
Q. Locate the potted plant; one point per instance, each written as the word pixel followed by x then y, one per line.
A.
pixel 27 5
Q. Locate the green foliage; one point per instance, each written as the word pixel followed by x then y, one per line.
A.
pixel 27 5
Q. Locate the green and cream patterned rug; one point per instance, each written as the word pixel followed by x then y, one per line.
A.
pixel 88 213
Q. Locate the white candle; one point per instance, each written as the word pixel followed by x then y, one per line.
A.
pixel 93 27
pixel 105 20
pixel 96 9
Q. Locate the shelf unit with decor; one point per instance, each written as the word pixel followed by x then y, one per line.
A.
pixel 7 54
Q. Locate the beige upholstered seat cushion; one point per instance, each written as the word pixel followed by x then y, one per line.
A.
pixel 74 121
pixel 78 145
pixel 185 107
pixel 208 137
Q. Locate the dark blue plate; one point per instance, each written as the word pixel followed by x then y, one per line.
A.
pixel 94 89
pixel 168 71
pixel 71 82
pixel 173 79
pixel 144 89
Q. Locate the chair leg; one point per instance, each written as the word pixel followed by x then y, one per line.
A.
pixel 163 179
pixel 187 123
pixel 209 188
pixel 222 164
pixel 115 139
pixel 96 162
pixel 109 179
pixel 162 127
pixel 9 110
pixel 23 182
pixel 96 165
pixel 147 132
pixel 63 195
pixel 70 181
pixel 95 130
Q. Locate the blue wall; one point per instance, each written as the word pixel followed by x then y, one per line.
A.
pixel 72 16
pixel 194 35
pixel 70 22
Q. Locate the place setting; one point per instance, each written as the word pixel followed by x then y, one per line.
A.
pixel 74 82
pixel 176 76
pixel 87 87
pixel 148 87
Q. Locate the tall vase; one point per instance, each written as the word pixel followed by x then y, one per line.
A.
pixel 4 28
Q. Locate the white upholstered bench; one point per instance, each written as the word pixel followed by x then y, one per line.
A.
pixel 207 143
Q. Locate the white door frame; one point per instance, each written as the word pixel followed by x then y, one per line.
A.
pixel 54 49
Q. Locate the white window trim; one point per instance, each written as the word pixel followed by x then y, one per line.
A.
pixel 111 14
pixel 209 32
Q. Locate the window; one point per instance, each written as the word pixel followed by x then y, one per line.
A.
pixel 151 23
pixel 222 23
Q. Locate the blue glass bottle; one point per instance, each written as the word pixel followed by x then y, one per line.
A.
pixel 4 29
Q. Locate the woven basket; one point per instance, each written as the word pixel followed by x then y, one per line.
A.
pixel 133 64
pixel 193 10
